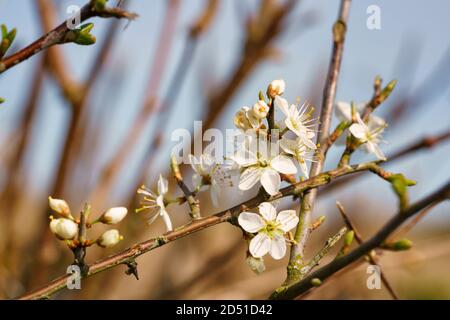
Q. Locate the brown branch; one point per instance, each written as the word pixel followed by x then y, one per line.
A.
pixel 298 288
pixel 421 144
pixel 329 94
pixel 371 255
pixel 59 35
pixel 200 224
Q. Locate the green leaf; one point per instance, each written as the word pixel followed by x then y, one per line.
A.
pixel 400 186
pixel 399 245
pixel 4 31
pixel 82 35
pixel 348 238
pixel 2 100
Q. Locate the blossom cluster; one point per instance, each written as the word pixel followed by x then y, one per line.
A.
pixel 268 151
pixel 67 228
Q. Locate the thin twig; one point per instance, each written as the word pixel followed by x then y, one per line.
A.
pixel 298 288
pixel 58 35
pixel 370 256
pixel 329 94
pixel 200 224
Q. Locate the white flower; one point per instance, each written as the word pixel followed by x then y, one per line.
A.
pixel 299 151
pixel 261 165
pixel 155 202
pixel 298 121
pixel 343 111
pixel 371 137
pixel 113 215
pixel 60 206
pixel 276 88
pixel 260 109
pixel 64 229
pixel 208 173
pixel 245 119
pixel 109 239
pixel 270 229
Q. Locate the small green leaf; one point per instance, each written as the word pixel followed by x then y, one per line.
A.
pixel 399 245
pixel 4 31
pixel 81 36
pixel 2 100
pixel 348 238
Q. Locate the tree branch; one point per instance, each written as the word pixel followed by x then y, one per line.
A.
pixel 197 225
pixel 59 34
pixel 293 290
pixel 329 94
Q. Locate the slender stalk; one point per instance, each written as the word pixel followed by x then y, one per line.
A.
pixel 228 215
pixel 297 288
pixel 329 94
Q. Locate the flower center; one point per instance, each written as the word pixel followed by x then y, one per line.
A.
pixel 270 228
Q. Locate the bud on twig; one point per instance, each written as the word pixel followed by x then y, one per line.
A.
pixel 276 88
pixel 60 207
pixel 399 245
pixel 113 215
pixel 64 229
pixel 109 239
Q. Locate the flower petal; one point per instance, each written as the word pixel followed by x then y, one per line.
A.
pixel 214 192
pixel 163 185
pixel 251 222
pixel 249 178
pixel 259 245
pixel 194 163
pixel 278 247
pixel 268 211
pixel 344 111
pixel 374 148
pixel 358 131
pixel 166 219
pixel 283 105
pixel 283 164
pixel 270 180
pixel 288 220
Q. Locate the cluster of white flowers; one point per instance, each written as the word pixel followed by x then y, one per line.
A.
pixel 266 151
pixel 67 227
pixel 258 156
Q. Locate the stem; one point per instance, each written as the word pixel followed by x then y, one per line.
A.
pixel 297 288
pixel 198 225
pixel 329 94
pixel 57 35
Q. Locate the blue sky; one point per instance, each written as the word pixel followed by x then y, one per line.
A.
pixel 419 27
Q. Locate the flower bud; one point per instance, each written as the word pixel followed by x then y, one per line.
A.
pixel 240 120
pixel 260 109
pixel 64 229
pixel 256 264
pixel 399 245
pixel 60 206
pixel 113 215
pixel 109 239
pixel 276 88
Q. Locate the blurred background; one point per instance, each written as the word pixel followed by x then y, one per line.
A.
pixel 94 123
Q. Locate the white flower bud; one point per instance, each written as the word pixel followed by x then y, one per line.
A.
pixel 276 88
pixel 260 109
pixel 60 206
pixel 64 229
pixel 241 121
pixel 113 215
pixel 109 239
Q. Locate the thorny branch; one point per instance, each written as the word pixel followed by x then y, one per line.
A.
pixel 293 290
pixel 225 216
